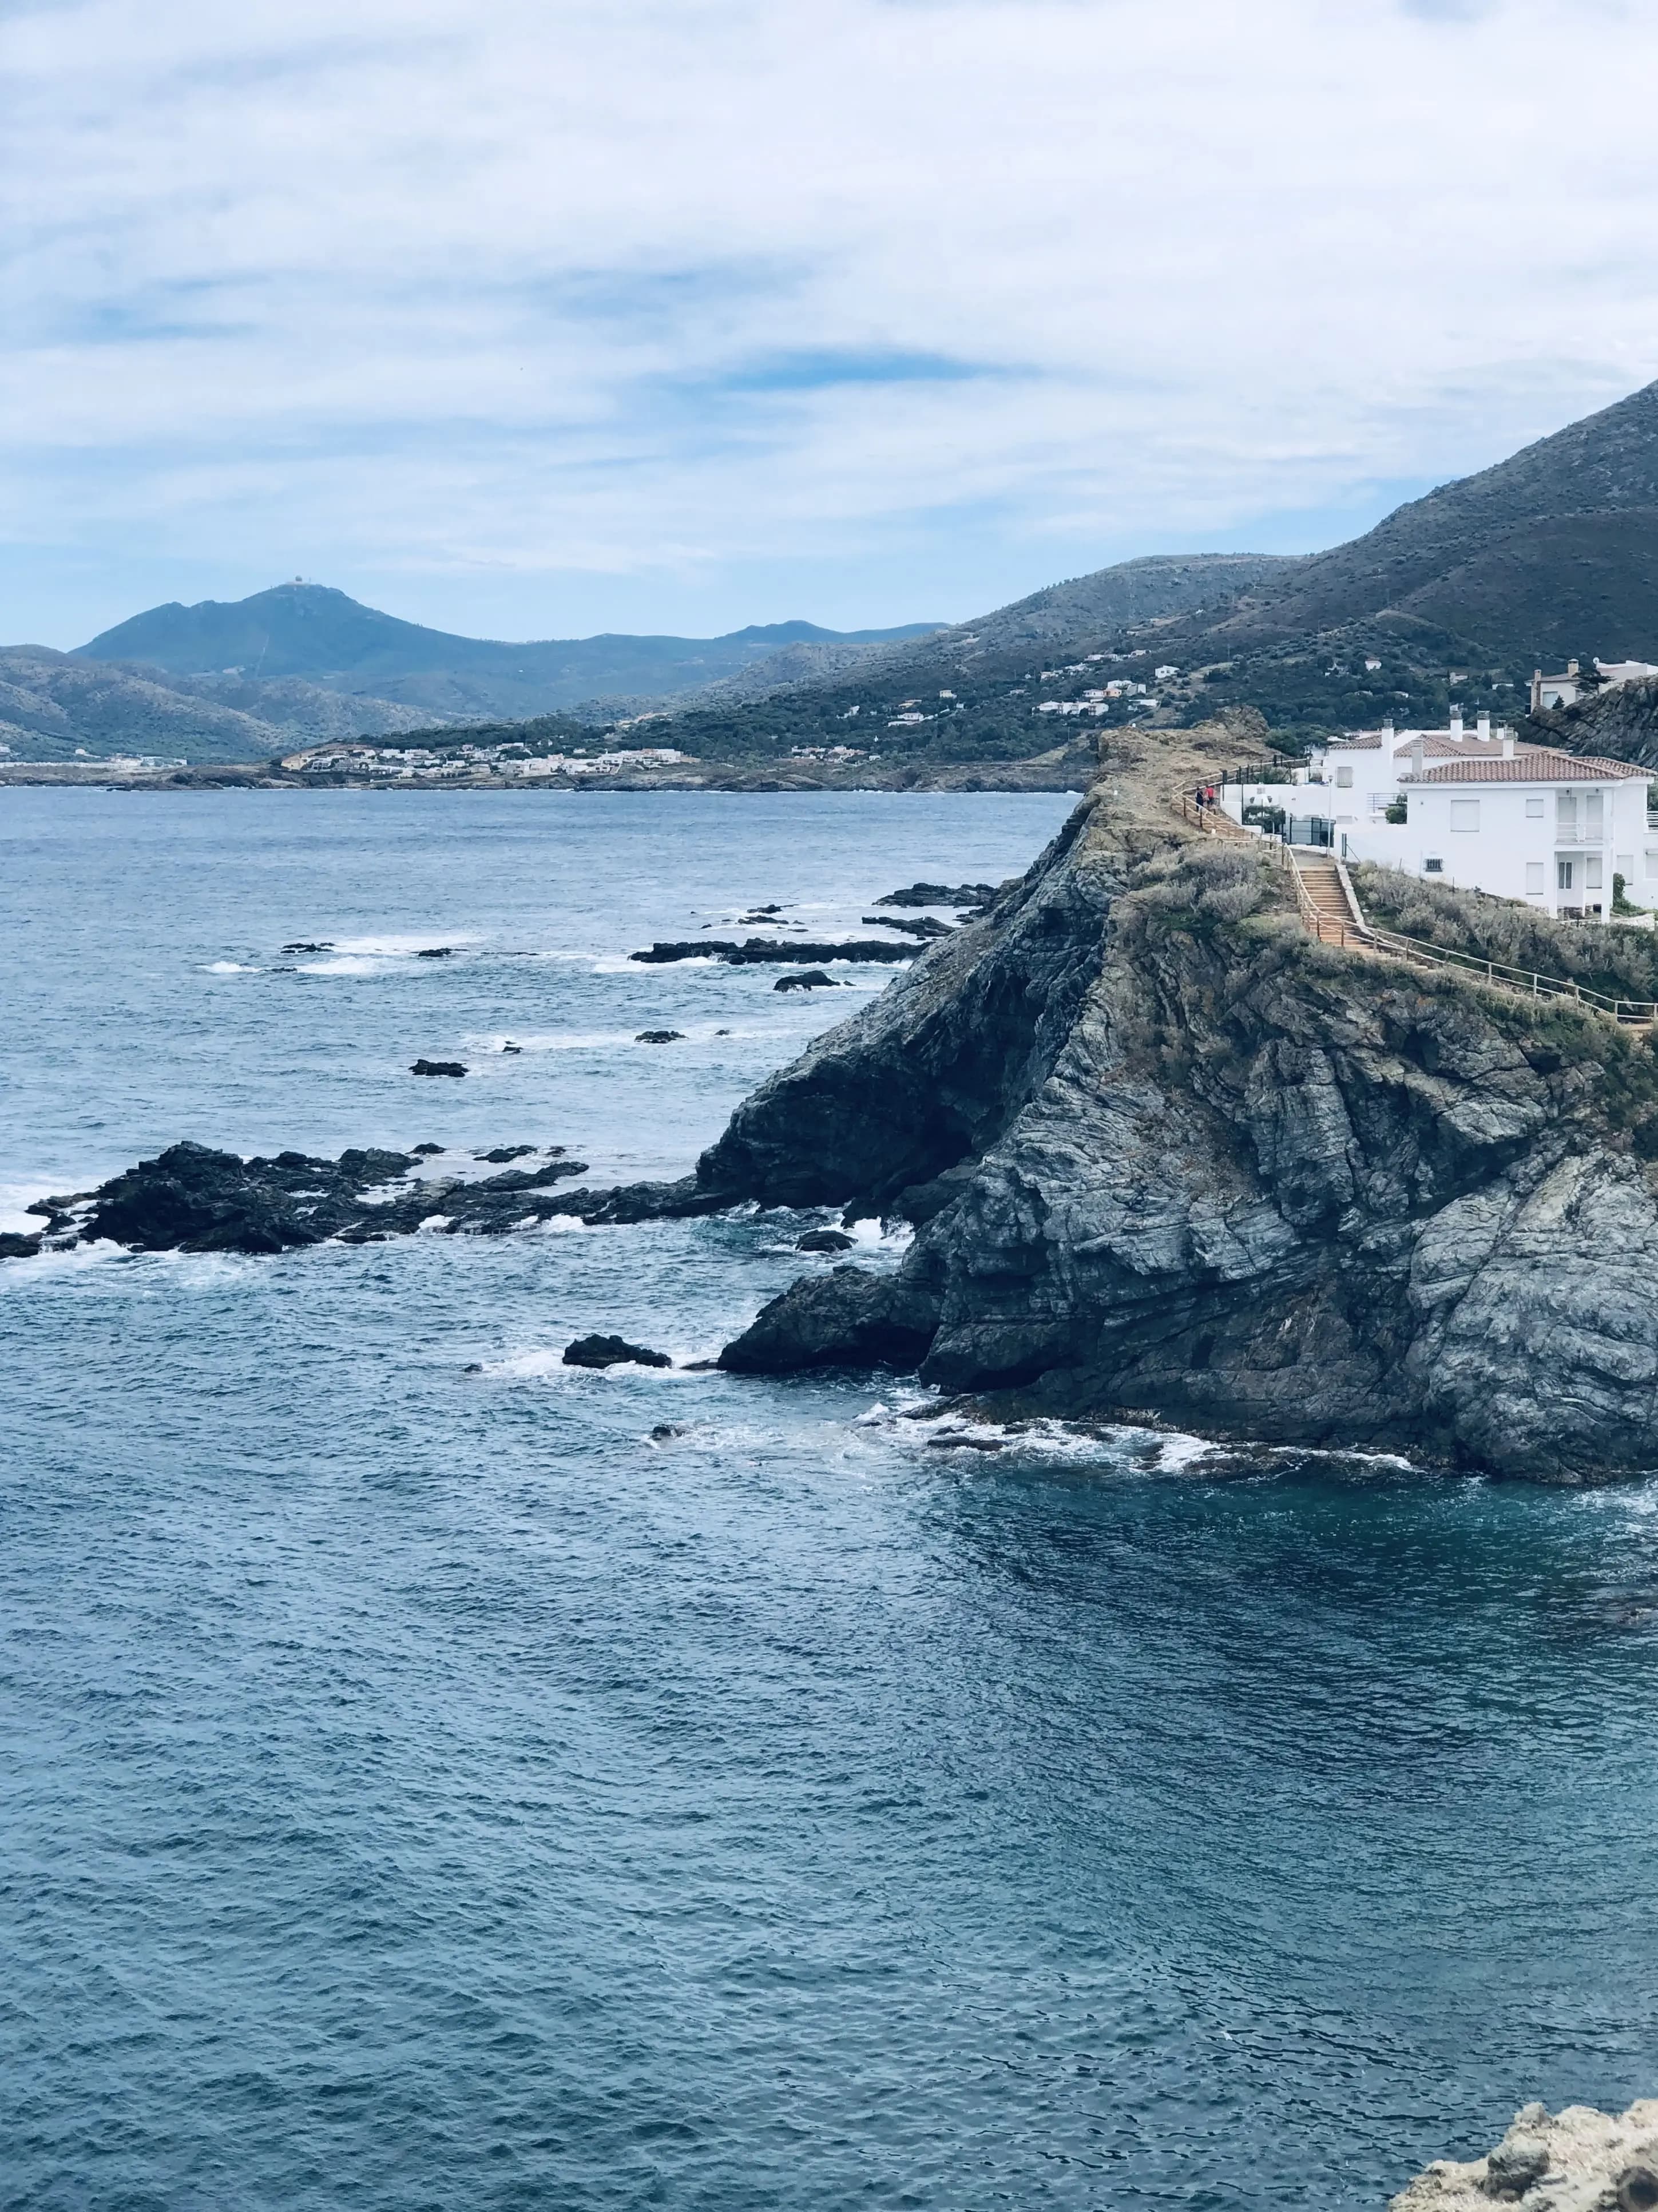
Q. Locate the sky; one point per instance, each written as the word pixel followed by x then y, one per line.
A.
pixel 536 317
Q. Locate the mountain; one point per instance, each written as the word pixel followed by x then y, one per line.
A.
pixel 323 636
pixel 1552 547
pixel 1450 601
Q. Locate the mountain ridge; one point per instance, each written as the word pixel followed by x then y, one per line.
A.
pixel 319 635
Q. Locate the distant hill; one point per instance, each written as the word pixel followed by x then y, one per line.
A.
pixel 324 637
pixel 55 705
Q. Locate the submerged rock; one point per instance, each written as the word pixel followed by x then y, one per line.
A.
pixel 437 1067
pixel 824 1240
pixel 612 1352
pixel 813 980
pixel 660 1036
pixel 1576 2160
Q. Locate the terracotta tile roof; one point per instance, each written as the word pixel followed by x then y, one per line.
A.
pixel 1533 764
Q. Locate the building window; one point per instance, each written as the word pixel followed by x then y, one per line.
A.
pixel 1433 867
pixel 1465 814
pixel 1563 874
pixel 1344 779
pixel 1592 872
pixel 1649 866
pixel 1534 877
pixel 1535 808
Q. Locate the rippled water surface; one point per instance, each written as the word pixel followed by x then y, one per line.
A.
pixel 425 1787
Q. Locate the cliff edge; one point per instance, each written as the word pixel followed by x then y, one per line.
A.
pixel 1170 1158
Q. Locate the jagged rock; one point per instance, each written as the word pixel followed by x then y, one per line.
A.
pixel 432 1151
pixel 308 948
pixel 435 952
pixel 660 1036
pixel 503 1153
pixel 1170 1157
pixel 926 927
pixel 813 980
pixel 1576 2160
pixel 844 1319
pixel 824 1240
pixel 13 1246
pixel 612 1352
pixel 941 894
pixel 762 952
pixel 193 1198
pixel 437 1067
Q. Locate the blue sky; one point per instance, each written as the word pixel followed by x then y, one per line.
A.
pixel 527 318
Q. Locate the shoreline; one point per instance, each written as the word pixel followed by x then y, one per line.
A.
pixel 1070 778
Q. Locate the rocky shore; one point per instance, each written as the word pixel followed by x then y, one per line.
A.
pixel 1170 1160
pixel 1576 2160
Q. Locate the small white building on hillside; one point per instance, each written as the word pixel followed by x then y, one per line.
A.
pixel 1566 689
pixel 1549 828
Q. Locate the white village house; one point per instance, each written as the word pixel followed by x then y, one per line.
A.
pixel 1566 689
pixel 1481 812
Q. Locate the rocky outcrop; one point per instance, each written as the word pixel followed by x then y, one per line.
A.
pixel 1577 2161
pixel 772 951
pixel 1171 1159
pixel 612 1352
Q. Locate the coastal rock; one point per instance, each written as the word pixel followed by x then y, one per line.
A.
pixel 824 1240
pixel 192 1199
pixel 813 980
pixel 926 927
pixel 435 952
pixel 762 952
pixel 941 894
pixel 13 1246
pixel 660 1036
pixel 612 1352
pixel 844 1319
pixel 1172 1158
pixel 1576 2160
pixel 437 1067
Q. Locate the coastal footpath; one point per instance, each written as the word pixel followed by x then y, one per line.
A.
pixel 1171 1159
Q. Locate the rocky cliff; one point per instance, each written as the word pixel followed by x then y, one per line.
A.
pixel 1170 1158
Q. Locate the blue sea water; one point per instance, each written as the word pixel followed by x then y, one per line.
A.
pixel 427 1788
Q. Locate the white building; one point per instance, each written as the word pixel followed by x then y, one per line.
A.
pixel 1565 690
pixel 1548 828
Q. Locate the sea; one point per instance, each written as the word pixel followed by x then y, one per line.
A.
pixel 436 1777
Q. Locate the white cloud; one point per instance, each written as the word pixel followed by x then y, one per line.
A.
pixel 471 306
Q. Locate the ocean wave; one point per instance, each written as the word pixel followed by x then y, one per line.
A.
pixel 229 967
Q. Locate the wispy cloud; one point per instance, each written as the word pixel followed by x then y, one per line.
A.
pixel 551 314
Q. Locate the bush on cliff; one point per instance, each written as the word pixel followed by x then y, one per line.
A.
pixel 1619 964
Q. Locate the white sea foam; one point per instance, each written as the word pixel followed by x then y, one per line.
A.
pixel 361 964
pixel 398 947
pixel 229 967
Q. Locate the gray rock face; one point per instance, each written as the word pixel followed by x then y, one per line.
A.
pixel 1171 1158
pixel 1577 2161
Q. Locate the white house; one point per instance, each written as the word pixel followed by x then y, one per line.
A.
pixel 1565 690
pixel 1549 828
pixel 1353 780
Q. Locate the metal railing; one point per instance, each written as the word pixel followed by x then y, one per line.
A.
pixel 1358 935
